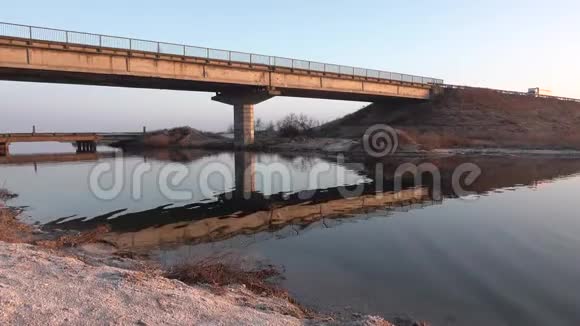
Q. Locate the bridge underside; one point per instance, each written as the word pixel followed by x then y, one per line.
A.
pixel 113 80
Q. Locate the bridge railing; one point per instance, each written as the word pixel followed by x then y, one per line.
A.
pixel 115 42
pixel 508 92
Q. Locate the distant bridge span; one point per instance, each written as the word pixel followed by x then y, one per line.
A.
pixel 240 79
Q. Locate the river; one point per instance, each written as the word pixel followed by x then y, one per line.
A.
pixel 350 236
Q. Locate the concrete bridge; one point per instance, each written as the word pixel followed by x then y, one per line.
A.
pixel 240 79
pixel 86 142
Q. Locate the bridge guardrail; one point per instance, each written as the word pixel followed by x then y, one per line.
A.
pixel 115 42
pixel 502 91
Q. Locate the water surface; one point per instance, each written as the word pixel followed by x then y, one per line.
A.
pixel 505 256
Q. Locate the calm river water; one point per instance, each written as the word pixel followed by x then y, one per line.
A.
pixel 506 254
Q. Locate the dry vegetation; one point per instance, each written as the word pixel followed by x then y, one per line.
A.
pixel 217 273
pixel 220 273
pixel 295 125
pixel 76 239
pixel 11 229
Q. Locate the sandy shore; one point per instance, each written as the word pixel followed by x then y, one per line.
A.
pixel 47 287
pixel 39 287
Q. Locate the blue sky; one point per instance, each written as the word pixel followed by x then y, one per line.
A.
pixel 500 44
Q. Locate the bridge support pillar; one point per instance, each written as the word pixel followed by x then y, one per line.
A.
pixel 243 124
pixel 86 147
pixel 4 150
pixel 243 101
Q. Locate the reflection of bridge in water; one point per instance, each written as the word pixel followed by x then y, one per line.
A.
pixel 231 215
pixel 243 211
pixel 53 158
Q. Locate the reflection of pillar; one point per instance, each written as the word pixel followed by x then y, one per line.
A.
pixel 4 151
pixel 245 173
pixel 243 124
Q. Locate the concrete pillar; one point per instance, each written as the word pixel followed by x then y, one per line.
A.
pixel 243 124
pixel 243 101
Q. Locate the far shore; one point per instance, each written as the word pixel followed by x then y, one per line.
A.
pixel 349 147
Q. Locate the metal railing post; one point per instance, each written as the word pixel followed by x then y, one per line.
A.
pixel 100 41
pixel 30 32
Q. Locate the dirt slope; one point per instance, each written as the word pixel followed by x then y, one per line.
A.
pixel 471 117
pixel 181 137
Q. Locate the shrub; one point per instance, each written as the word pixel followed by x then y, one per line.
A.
pixel 294 125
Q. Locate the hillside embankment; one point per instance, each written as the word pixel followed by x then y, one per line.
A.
pixel 470 118
pixel 180 137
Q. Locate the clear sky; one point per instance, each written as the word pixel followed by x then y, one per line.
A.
pixel 500 44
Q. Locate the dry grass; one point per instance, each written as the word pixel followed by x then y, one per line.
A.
pixel 11 229
pixel 219 274
pixel 14 231
pixel 74 240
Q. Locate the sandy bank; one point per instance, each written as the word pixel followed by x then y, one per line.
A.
pixel 39 287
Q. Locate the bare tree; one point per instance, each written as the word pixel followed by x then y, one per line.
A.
pixel 259 125
pixel 294 125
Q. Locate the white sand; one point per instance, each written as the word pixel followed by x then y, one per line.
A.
pixel 40 287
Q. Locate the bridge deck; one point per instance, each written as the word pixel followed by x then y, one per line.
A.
pixel 46 55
